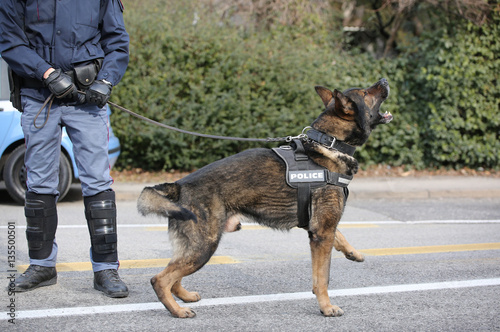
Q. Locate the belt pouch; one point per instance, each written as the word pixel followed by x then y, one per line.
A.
pixel 85 75
pixel 15 90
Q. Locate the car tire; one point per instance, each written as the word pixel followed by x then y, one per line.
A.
pixel 14 175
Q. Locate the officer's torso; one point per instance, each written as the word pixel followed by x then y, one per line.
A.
pixel 64 32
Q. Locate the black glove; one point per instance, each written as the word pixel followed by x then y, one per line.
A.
pixel 60 85
pixel 99 93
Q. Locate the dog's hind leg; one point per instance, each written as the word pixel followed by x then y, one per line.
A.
pixel 345 247
pixel 168 282
pixel 163 283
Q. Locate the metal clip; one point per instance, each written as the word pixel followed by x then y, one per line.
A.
pixel 291 138
pixel 303 135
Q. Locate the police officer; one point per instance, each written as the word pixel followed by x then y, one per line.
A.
pixel 72 53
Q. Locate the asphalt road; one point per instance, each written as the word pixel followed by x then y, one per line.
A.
pixel 431 265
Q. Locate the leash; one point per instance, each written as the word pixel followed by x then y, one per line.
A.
pixel 269 139
pixel 321 138
pixel 50 100
pixel 308 133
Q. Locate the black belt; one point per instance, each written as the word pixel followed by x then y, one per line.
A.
pixel 31 83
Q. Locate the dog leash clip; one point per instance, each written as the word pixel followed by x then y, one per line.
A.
pixel 288 139
pixel 303 135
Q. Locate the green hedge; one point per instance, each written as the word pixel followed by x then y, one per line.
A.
pixel 216 79
pixel 450 90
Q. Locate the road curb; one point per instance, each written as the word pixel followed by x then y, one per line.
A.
pixel 385 188
pixel 424 194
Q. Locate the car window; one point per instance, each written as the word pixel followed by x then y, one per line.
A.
pixel 4 81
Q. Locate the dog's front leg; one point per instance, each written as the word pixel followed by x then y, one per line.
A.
pixel 321 252
pixel 345 247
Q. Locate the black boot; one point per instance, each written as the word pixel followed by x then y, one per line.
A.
pixel 35 276
pixel 109 282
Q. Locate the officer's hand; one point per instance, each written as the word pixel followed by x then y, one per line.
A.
pixel 99 93
pixel 60 84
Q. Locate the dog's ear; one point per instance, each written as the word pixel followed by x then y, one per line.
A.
pixel 344 107
pixel 325 94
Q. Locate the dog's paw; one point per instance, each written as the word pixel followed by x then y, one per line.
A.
pixel 332 311
pixel 190 297
pixel 184 313
pixel 355 256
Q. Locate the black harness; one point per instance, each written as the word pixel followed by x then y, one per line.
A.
pixel 304 174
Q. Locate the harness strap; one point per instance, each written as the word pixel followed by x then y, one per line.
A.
pixel 303 174
pixel 303 188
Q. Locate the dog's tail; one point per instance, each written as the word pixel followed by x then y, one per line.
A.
pixel 162 200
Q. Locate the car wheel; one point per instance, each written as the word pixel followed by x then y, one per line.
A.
pixel 14 174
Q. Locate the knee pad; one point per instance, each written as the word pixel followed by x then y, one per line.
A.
pixel 41 220
pixel 100 211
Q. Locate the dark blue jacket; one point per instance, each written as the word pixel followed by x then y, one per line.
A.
pixel 36 35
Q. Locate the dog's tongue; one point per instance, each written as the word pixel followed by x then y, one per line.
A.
pixel 386 117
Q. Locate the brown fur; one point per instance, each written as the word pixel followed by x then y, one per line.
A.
pixel 251 186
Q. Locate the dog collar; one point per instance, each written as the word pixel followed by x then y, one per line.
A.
pixel 330 142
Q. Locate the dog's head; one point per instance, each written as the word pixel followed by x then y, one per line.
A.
pixel 352 115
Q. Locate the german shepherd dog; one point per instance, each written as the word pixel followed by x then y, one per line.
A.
pixel 251 186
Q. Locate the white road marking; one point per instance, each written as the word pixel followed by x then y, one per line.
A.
pixel 384 222
pixel 79 311
pixel 380 222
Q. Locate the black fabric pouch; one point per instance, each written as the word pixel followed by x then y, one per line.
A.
pixel 15 83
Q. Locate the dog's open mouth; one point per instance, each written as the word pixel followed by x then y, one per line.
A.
pixel 386 117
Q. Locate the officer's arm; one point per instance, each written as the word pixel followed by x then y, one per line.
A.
pixel 114 42
pixel 14 44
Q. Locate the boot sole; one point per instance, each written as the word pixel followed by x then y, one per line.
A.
pixel 49 282
pixel 110 294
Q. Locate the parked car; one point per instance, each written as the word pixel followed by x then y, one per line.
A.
pixel 12 148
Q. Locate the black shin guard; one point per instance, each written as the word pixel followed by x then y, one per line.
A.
pixel 100 211
pixel 41 219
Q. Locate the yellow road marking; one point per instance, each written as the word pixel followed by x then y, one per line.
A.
pixel 431 249
pixel 131 264
pixel 162 262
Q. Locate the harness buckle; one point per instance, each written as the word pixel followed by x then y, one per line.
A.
pixel 333 143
